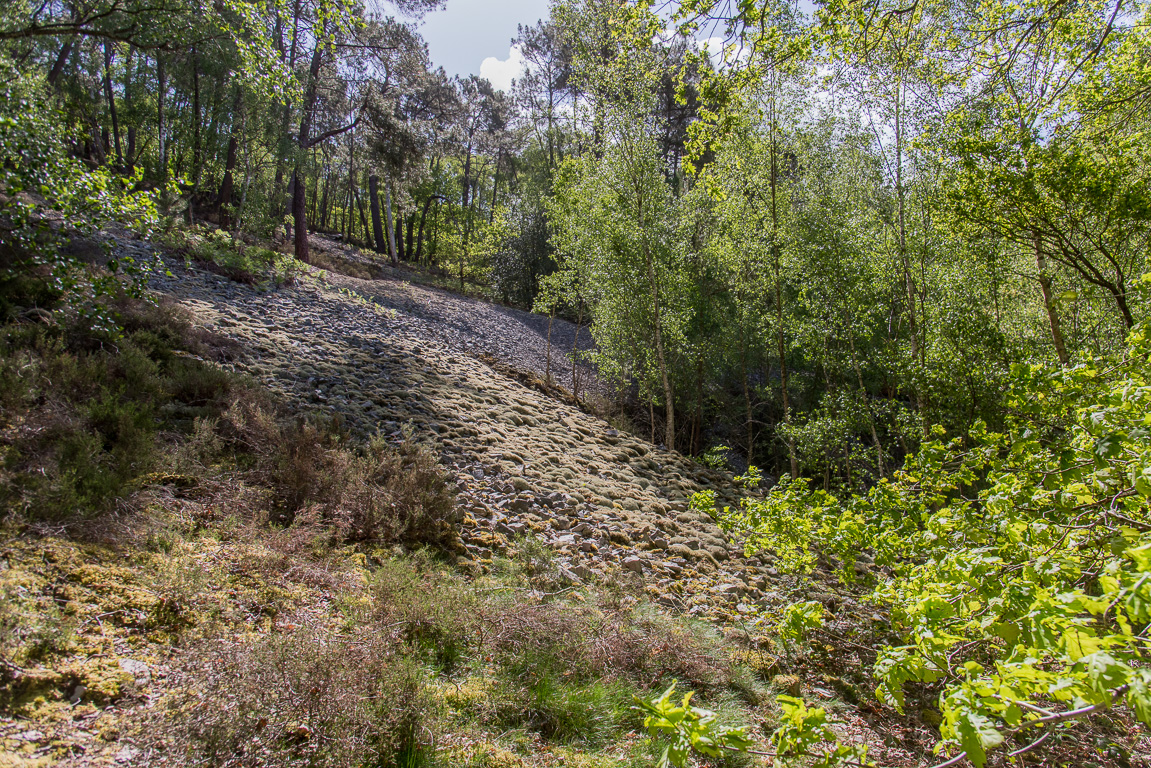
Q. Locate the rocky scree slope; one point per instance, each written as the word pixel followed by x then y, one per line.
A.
pixel 381 353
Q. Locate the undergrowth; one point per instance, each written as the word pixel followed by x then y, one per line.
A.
pixel 91 419
pixel 297 582
pixel 236 259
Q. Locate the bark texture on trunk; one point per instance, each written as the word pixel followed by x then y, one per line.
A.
pixel 391 226
pixel 299 194
pixel 112 100
pixel 61 60
pixel 377 221
pixel 1049 303
pixel 224 198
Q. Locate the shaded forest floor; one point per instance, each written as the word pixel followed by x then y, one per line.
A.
pixel 234 605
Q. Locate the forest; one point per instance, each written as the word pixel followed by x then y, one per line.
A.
pixel 882 261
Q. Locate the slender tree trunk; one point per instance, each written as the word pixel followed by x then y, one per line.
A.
pixel 110 96
pixel 162 87
pixel 408 249
pixel 364 218
pixel 495 188
pixel 401 251
pixel 423 218
pixel 668 393
pixel 870 413
pixel 197 142
pixel 746 395
pixel 697 432
pixel 313 207
pixel 548 365
pixel 130 156
pixel 324 198
pixel 1049 301
pixel 905 260
pixel 377 222
pixel 391 227
pixel 299 197
pixel 224 199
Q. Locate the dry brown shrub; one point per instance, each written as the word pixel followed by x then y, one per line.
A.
pixel 378 492
pixel 310 697
pixel 586 643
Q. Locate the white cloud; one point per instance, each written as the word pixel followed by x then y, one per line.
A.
pixel 501 73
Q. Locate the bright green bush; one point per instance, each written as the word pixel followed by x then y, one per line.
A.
pixel 46 196
pixel 1018 562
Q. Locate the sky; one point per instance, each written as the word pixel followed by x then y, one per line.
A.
pixel 474 37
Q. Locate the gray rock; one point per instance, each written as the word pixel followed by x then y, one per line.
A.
pixel 583 572
pixel 633 564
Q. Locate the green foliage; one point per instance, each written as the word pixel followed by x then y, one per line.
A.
pixel 90 413
pixel 1020 557
pixel 689 729
pixel 703 501
pixel 800 618
pixel 47 195
pixel 714 457
pixel 244 263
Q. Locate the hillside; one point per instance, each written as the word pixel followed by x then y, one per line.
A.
pixel 561 543
pixel 384 353
pixel 132 600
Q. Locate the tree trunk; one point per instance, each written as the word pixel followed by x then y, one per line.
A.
pixel 905 260
pixel 1049 302
pixel 668 393
pixel 299 196
pixel 130 156
pixel 324 198
pixel 112 100
pixel 224 198
pixel 870 414
pixel 423 218
pixel 548 365
pixel 300 217
pixel 495 188
pixel 197 143
pixel 391 227
pixel 377 222
pixel 162 83
pixel 61 60
pixel 401 251
pixel 575 350
pixel 410 235
pixel 747 395
pixel 363 216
